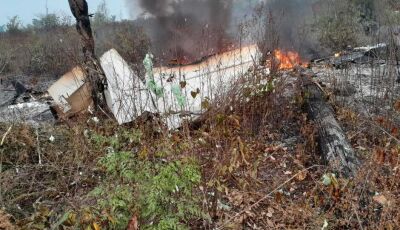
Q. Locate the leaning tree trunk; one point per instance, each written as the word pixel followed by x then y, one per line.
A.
pixel 95 73
pixel 333 144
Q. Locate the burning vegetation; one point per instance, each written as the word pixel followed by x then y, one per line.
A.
pixel 288 60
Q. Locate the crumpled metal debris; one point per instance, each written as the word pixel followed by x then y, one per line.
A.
pixel 30 112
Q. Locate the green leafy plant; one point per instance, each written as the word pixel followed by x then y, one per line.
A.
pixel 118 141
pixel 162 193
pixel 167 198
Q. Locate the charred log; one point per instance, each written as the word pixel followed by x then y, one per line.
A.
pixel 333 144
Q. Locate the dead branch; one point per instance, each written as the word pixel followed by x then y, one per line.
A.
pixel 95 73
pixel 5 135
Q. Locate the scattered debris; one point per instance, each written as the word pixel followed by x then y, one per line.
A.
pixel 126 95
pixel 71 93
pixel 187 87
pixel 358 55
pixel 176 92
pixel 19 87
pixel 6 96
pixel 31 112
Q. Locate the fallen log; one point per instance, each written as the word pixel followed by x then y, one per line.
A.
pixel 332 141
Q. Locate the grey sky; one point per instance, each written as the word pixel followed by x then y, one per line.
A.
pixel 29 9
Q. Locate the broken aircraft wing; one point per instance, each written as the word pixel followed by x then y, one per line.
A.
pixel 126 95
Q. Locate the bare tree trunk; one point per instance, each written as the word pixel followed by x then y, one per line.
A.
pixel 95 73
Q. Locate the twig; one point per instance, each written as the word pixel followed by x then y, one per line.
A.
pixel 1 159
pixel 33 194
pixel 358 217
pixel 5 135
pixel 266 196
pixel 38 146
pixel 104 112
pixel 386 132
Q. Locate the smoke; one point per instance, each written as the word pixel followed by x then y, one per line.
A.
pixel 292 21
pixel 187 30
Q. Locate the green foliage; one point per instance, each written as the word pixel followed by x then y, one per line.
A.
pixel 162 193
pixel 46 22
pixel 14 25
pixel 115 200
pixel 39 62
pixel 119 165
pixel 339 25
pixel 117 141
pixel 46 56
pixel 115 203
pixel 167 200
pixel 5 57
pixel 102 15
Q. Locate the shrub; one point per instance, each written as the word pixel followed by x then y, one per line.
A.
pixel 167 200
pixel 14 25
pixel 128 39
pixel 163 194
pixel 338 25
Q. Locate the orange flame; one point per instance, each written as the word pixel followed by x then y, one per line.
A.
pixel 288 60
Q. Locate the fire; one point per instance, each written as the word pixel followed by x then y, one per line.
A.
pixel 288 60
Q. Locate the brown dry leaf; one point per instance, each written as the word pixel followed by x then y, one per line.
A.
pixel 5 221
pixel 397 106
pixel 278 197
pixel 270 223
pixel 301 176
pixel 86 217
pixel 381 120
pixel 236 198
pixel 133 224
pixel 233 226
pixel 394 131
pixel 235 120
pixel 389 227
pixel 381 199
pixel 271 212
pixel 380 155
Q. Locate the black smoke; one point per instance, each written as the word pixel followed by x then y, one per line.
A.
pixel 290 22
pixel 186 29
pixel 190 29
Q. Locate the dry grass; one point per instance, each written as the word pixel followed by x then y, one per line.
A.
pixel 257 154
pixel 258 160
pixel 5 222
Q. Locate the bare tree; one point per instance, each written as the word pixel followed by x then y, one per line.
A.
pixel 79 9
pixel 96 76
